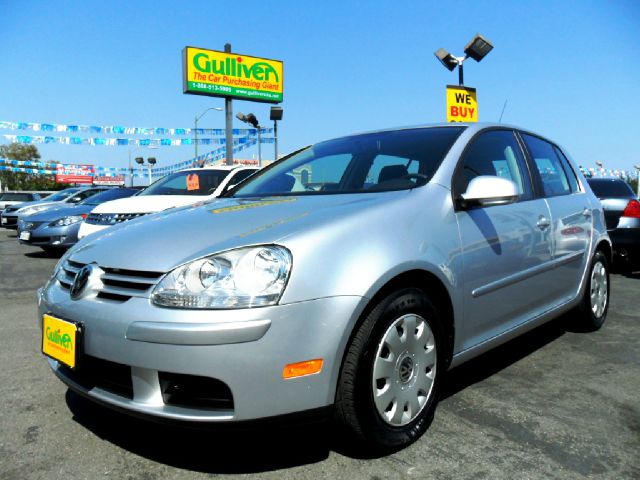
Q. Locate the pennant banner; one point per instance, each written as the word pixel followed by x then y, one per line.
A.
pixel 120 130
pixel 123 142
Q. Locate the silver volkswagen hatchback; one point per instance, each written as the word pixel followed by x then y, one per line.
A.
pixel 346 278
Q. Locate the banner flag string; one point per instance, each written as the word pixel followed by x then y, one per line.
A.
pixel 120 130
pixel 123 142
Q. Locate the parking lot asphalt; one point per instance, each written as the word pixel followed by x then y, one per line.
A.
pixel 555 403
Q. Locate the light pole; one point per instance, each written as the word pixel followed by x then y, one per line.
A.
pixel 151 147
pixel 477 49
pixel 600 166
pixel 195 130
pixel 151 161
pixel 276 114
pixel 253 120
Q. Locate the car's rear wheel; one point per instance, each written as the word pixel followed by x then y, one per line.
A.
pixel 595 301
pixel 388 387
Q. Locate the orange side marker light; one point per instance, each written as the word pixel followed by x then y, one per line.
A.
pixel 301 369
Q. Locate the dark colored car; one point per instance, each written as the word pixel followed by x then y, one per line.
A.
pixel 57 228
pixel 622 214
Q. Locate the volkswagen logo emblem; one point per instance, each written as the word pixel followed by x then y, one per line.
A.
pixel 80 281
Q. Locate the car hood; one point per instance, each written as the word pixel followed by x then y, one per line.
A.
pixel 49 206
pixel 60 211
pixel 162 241
pixel 29 204
pixel 147 203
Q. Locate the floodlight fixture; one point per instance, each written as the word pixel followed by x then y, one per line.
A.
pixel 151 160
pixel 276 114
pixel 139 160
pixel 253 120
pixel 478 48
pixel 449 61
pixel 599 164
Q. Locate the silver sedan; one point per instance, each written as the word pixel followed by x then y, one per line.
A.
pixel 346 278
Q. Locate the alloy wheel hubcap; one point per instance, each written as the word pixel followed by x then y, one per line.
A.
pixel 404 370
pixel 599 289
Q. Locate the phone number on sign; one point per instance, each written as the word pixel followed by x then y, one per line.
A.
pixel 214 88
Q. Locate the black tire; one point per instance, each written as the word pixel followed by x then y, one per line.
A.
pixel 589 319
pixel 355 407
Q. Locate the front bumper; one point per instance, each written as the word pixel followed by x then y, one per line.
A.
pixel 245 349
pixel 9 221
pixel 46 236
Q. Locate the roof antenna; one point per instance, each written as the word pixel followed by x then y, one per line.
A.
pixel 502 113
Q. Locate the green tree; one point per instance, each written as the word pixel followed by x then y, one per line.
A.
pixel 21 180
pixel 634 184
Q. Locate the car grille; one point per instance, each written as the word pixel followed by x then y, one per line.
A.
pixel 29 225
pixel 111 218
pixel 118 285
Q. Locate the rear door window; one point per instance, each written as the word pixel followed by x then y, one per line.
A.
pixel 571 174
pixel 554 179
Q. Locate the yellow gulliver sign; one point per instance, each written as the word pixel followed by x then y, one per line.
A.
pixel 462 104
pixel 221 74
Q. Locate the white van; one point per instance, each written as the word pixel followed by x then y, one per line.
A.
pixel 175 190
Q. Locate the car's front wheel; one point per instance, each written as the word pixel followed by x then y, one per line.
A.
pixel 388 388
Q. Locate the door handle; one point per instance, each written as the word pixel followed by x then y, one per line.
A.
pixel 543 223
pixel 586 212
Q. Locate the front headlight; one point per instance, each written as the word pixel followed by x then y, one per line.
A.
pixel 242 278
pixel 32 210
pixel 67 220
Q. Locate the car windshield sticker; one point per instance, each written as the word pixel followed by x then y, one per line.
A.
pixel 245 206
pixel 193 181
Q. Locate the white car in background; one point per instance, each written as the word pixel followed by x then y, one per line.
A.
pixel 175 190
pixel 9 199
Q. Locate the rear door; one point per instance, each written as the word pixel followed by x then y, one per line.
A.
pixel 571 216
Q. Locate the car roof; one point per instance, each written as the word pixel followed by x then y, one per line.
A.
pixel 472 127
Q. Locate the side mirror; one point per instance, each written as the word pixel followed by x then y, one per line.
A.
pixel 487 191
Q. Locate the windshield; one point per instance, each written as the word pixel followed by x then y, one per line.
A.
pixel 15 197
pixel 82 194
pixel 108 195
pixel 62 194
pixel 395 160
pixel 190 182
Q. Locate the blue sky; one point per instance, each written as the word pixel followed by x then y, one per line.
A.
pixel 569 70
